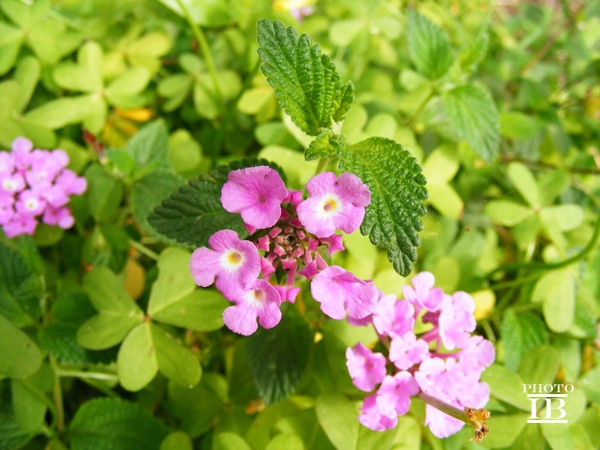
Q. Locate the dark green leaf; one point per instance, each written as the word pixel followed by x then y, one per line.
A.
pixel 393 219
pixel 473 114
pixel 111 424
pixel 520 333
pixel 306 81
pixel 194 212
pixel 20 288
pixel 428 46
pixel 11 434
pixel 150 144
pixel 278 357
pixel 325 145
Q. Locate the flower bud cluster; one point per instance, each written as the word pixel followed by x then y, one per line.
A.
pixel 35 186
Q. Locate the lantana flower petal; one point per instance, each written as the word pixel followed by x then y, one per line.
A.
pixel 393 317
pixel 260 302
pixel 339 291
pixel 407 350
pixel 456 320
pixel 372 417
pixel 233 262
pixel 422 294
pixel 334 204
pixel 393 396
pixel 366 368
pixel 256 193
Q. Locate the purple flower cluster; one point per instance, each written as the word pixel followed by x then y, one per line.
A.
pixel 444 362
pixel 290 236
pixel 34 185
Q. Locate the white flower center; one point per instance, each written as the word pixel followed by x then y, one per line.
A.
pixel 9 185
pixel 232 260
pixel 31 204
pixel 255 297
pixel 330 205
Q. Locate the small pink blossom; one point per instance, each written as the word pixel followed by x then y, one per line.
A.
pixel 456 320
pixel 339 291
pixel 259 302
pixel 393 396
pixel 256 193
pixel 233 262
pixel 407 350
pixel 422 294
pixel 366 368
pixel 334 204
pixel 393 317
pixel 372 417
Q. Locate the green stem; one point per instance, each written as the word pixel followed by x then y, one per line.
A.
pixel 199 35
pixel 87 375
pixel 446 408
pixel 57 396
pixel 143 250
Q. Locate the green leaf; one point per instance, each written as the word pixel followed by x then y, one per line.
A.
pixel 540 366
pixel 104 193
pixel 113 424
pixel 20 288
pixel 558 437
pixel 556 290
pixel 29 404
pixel 106 330
pixel 566 217
pixel 327 144
pixel 472 113
pixel 507 427
pixel 229 441
pixel 130 83
pixel 137 364
pixel 62 111
pixel 150 144
pixel 20 356
pixel 306 81
pixel 193 213
pixel 148 192
pixel 507 213
pixel 202 310
pixel 174 280
pixel 473 54
pixel 278 357
pixel 108 294
pixel 175 361
pixel 285 441
pixel 506 385
pixel 523 180
pixel 177 440
pixel 27 74
pixel 520 333
pixel 428 46
pixel 393 219
pixel 11 434
pixel 590 383
pixel 338 417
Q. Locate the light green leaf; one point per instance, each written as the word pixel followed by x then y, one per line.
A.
pixel 516 125
pixel 27 75
pixel 174 280
pixel 177 440
pixel 20 356
pixel 130 83
pixel 197 407
pixel 566 217
pixel 521 333
pixel 522 179
pixel 590 383
pixel 472 113
pixel 306 81
pixel 137 362
pixel 473 54
pixel 428 46
pixel 28 404
pixel 446 200
pixel 202 310
pixel 61 112
pixel 325 145
pixel 540 366
pixel 229 441
pixel 556 289
pixel 210 13
pixel 255 99
pixel 393 219
pixel 109 423
pixel 103 194
pixel 506 212
pixel 285 441
pixel 175 361
pixel 506 429
pixel 150 144
pixel 506 385
pixel 108 294
pixel 105 330
pixel 205 101
pixel 338 417
pixel 558 436
pixel 441 165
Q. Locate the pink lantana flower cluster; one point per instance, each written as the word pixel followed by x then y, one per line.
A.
pixel 35 185
pixel 444 363
pixel 290 236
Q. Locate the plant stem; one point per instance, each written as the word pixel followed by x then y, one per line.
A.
pixel 445 408
pixel 143 250
pixel 57 396
pixel 199 35
pixel 87 375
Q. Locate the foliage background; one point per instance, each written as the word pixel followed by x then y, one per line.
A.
pixel 500 104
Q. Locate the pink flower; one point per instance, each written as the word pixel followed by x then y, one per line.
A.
pixel 441 424
pixel 233 262
pixel 259 302
pixel 334 203
pixel 407 350
pixel 30 203
pixel 423 295
pixel 393 396
pixel 366 368
pixel 456 320
pixel 340 291
pixel 20 224
pixel 393 317
pixel 372 417
pixel 256 193
pixel 58 216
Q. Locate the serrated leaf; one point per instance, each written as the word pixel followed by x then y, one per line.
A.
pixel 194 212
pixel 428 46
pixel 520 333
pixel 393 219
pixel 278 357
pixel 473 53
pixel 20 356
pixel 327 144
pixel 306 81
pixel 113 424
pixel 20 288
pixel 472 113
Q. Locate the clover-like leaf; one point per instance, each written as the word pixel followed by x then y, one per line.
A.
pixel 393 219
pixel 306 81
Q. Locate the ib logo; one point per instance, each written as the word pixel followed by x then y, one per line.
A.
pixel 547 402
